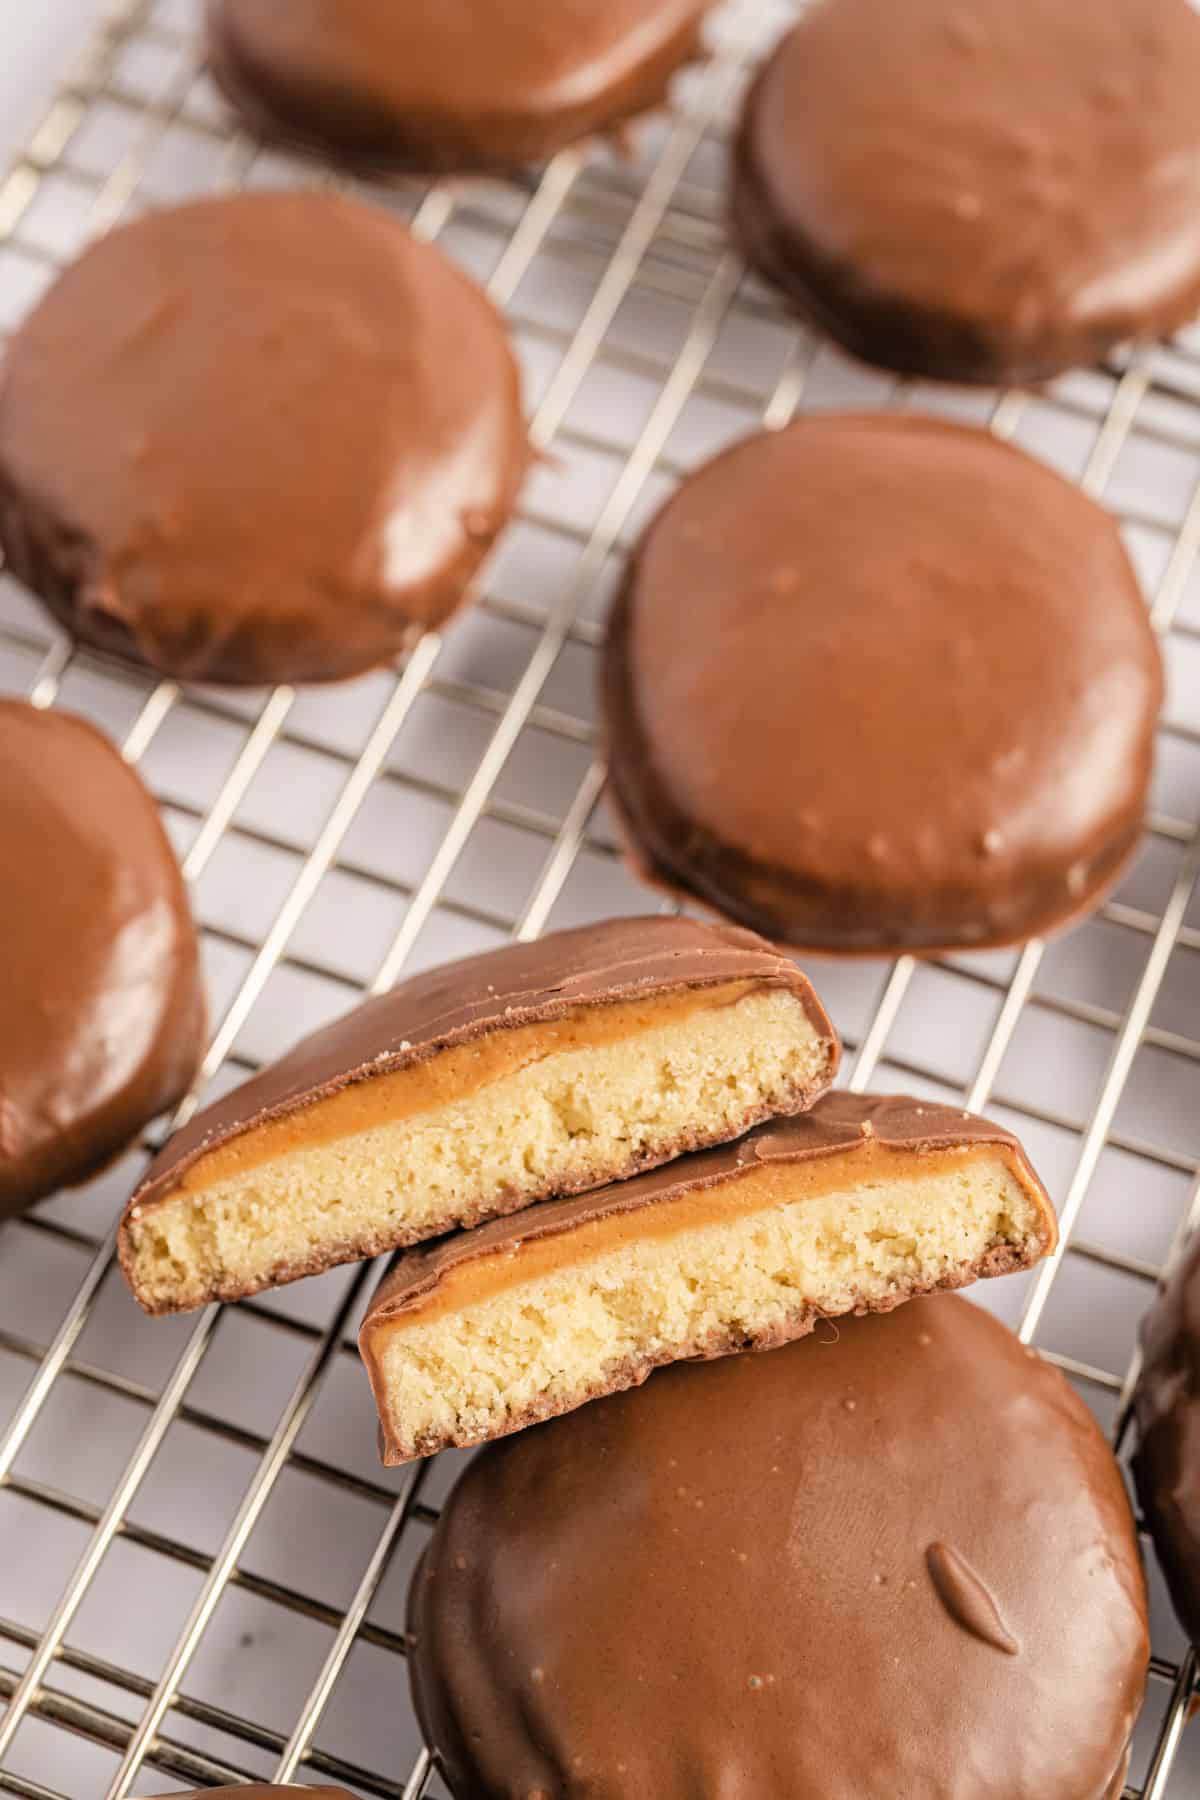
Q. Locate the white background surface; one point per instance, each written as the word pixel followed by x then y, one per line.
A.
pixel 37 40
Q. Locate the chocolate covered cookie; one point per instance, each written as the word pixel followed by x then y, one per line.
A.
pixel 855 1206
pixel 259 438
pixel 472 1090
pixel 881 683
pixel 414 84
pixel 101 1007
pixel 888 1561
pixel 992 191
pixel 1166 1465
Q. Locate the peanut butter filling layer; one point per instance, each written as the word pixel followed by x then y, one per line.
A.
pixel 476 1280
pixel 535 1327
pixel 451 1076
pixel 472 1131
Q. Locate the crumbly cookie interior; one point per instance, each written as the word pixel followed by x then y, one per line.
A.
pixel 573 1106
pixel 490 1350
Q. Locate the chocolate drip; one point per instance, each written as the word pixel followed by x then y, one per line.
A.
pixel 967 1600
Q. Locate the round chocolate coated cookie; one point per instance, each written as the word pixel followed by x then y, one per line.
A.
pixel 101 1009
pixel 981 190
pixel 258 438
pixel 426 84
pixel 880 683
pixel 1167 1409
pixel 892 1560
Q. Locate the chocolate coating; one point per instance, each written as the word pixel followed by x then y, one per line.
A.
pixel 413 84
pixel 980 190
pixel 101 1008
pixel 518 984
pixel 838 1125
pixel 880 683
pixel 258 438
pixel 261 1790
pixel 720 1583
pixel 1166 1465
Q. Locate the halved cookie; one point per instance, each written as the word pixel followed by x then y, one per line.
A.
pixel 471 1091
pixel 854 1207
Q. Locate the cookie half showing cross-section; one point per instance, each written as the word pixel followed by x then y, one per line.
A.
pixel 473 1090
pixel 854 1207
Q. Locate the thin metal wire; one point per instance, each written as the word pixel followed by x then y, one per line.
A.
pixel 322 1690
pixel 662 238
pixel 274 1458
pixel 576 365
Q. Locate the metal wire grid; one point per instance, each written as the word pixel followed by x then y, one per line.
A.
pixel 659 350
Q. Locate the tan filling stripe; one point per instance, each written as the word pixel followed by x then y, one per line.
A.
pixel 452 1075
pixel 763 1187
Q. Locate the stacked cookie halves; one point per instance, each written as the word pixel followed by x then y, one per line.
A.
pixel 600 1153
pixel 844 1567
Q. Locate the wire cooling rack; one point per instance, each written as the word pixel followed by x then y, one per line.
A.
pixel 202 1567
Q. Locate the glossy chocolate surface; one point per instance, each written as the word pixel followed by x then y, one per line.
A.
pixel 426 85
pixel 981 190
pixel 1167 1412
pixel 880 683
pixel 892 1559
pixel 258 438
pixel 838 1126
pixel 101 1009
pixel 518 984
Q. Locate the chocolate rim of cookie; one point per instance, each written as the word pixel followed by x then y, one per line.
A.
pixel 717 1503
pixel 261 1790
pixel 723 880
pixel 1166 1411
